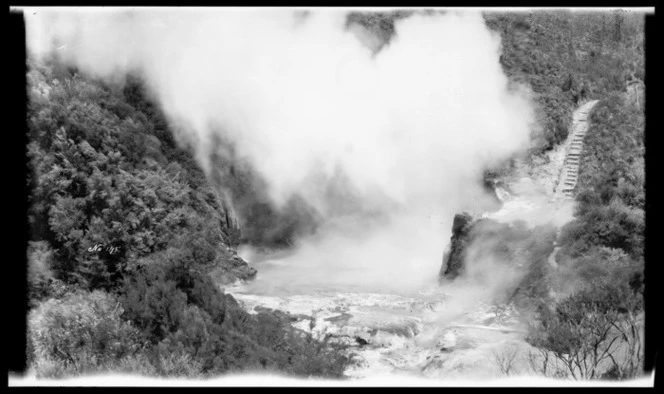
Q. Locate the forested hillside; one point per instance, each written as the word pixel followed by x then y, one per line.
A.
pixel 596 316
pixel 601 258
pixel 129 243
pixel 587 296
pixel 567 57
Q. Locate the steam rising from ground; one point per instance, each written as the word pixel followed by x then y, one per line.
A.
pixel 409 128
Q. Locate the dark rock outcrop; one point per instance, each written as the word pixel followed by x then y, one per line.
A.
pixel 492 182
pixel 252 210
pixel 522 249
pixel 231 268
pixel 454 256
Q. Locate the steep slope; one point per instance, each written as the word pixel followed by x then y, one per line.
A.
pixel 568 57
pixel 129 245
pixel 99 161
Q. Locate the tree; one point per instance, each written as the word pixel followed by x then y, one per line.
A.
pixel 505 359
pixel 154 304
pixel 590 333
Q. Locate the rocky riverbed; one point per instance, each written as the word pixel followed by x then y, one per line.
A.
pixel 420 334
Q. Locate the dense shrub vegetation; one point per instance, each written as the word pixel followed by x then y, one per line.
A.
pixel 611 193
pixel 567 57
pixel 609 230
pixel 102 177
pixel 126 232
pixel 594 330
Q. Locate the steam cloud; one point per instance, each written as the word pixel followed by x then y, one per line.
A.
pixel 307 102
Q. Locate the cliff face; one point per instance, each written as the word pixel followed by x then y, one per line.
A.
pixel 261 223
pixel 486 237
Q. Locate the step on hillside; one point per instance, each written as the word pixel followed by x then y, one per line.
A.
pixel 569 175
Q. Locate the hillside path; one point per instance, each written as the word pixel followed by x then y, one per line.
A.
pixel 570 171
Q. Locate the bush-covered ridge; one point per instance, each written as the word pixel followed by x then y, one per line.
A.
pixel 569 57
pixel 597 330
pixel 105 174
pixel 127 235
pixel 609 225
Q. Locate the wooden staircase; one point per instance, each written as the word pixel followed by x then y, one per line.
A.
pixel 570 171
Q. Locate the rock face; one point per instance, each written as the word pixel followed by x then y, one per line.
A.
pixel 493 235
pixel 250 209
pixel 232 268
pixel 454 256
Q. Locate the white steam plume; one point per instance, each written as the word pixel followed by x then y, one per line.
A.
pixel 411 127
